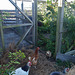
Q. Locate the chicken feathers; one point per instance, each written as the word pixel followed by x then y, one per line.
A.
pixel 34 57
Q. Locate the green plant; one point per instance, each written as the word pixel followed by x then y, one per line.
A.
pixel 64 64
pixel 49 18
pixel 68 41
pixel 15 58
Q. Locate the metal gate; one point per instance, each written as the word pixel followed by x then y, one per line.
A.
pixel 16 22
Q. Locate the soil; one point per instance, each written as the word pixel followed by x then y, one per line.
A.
pixel 43 67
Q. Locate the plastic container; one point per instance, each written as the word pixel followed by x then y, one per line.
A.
pixel 55 73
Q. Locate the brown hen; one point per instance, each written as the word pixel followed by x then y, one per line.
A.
pixel 34 57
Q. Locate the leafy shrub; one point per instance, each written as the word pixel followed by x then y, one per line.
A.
pixel 68 41
pixel 14 57
pixel 50 21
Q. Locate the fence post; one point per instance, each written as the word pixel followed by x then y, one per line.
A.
pixel 16 12
pixel 1 28
pixel 59 27
pixel 34 18
pixel 22 5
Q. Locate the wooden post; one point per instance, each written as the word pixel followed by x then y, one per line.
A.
pixel 22 28
pixel 74 9
pixel 1 28
pixel 33 22
pixel 16 12
pixel 59 27
pixel 34 18
pixel 36 26
pixel 22 5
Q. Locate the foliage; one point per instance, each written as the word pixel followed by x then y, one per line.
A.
pixel 44 29
pixel 14 57
pixel 68 41
pixel 65 63
pixel 49 19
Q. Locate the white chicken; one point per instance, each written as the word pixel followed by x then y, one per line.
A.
pixel 22 70
pixel 48 54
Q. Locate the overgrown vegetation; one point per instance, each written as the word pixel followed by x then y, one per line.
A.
pixel 14 59
pixel 68 41
pixel 49 20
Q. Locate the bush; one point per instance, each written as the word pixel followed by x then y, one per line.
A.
pixel 14 57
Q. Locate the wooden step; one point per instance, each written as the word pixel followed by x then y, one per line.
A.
pixel 8 10
pixel 9 20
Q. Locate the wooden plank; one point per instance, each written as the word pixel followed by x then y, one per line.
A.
pixel 64 57
pixel 1 29
pixel 17 25
pixel 36 26
pixel 10 16
pixel 59 28
pixel 20 10
pixel 70 52
pixel 25 34
pixel 22 5
pixel 16 13
pixel 31 0
pixel 9 20
pixel 7 11
pixel 33 19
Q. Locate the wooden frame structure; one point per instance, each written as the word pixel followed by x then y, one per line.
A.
pixel 31 23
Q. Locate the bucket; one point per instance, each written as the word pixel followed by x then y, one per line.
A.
pixel 55 73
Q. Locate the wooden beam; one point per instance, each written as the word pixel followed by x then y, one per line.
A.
pixel 59 29
pixel 31 0
pixel 1 29
pixel 20 10
pixel 25 34
pixel 22 5
pixel 36 26
pixel 33 19
pixel 17 25
pixel 5 11
pixel 70 52
pixel 64 57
